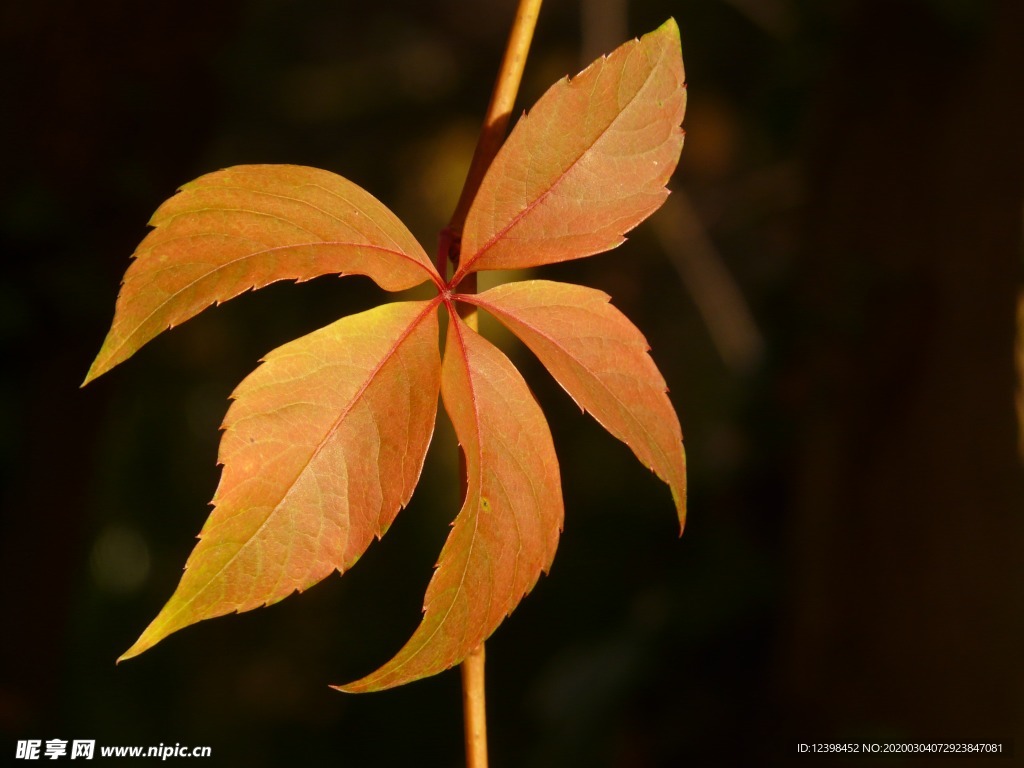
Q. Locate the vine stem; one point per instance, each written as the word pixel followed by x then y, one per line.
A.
pixel 474 708
pixel 503 97
pixel 492 136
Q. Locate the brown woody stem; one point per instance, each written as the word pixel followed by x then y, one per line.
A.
pixel 492 135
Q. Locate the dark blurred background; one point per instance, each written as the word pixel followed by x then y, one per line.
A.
pixel 830 292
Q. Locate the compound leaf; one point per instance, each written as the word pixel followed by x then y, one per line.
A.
pixel 587 164
pixel 246 227
pixel 601 359
pixel 325 441
pixel 506 533
pixel 323 444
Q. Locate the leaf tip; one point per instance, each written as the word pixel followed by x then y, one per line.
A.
pixel 363 685
pixel 679 497
pixel 157 630
pixel 97 369
pixel 669 27
pixel 678 489
pixel 132 652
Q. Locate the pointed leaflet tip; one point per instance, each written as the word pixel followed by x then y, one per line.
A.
pixel 669 28
pixel 139 646
pixel 323 444
pixel 507 531
pixel 246 227
pixel 587 164
pixel 91 374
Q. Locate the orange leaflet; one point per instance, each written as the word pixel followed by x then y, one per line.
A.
pixel 600 358
pixel 323 444
pixel 587 164
pixel 246 227
pixel 506 533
